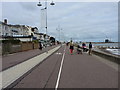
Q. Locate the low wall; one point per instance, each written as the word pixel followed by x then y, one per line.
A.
pixel 36 45
pixel 23 46
pixel 26 46
pixel 15 48
pixel 6 48
pixel 113 58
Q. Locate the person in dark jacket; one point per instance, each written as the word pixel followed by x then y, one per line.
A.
pixel 84 47
pixel 90 48
pixel 40 46
pixel 79 50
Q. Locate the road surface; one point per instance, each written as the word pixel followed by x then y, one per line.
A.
pixel 63 70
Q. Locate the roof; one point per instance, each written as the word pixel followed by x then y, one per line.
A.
pixel 17 36
pixel 24 26
pixel 39 33
pixel 2 23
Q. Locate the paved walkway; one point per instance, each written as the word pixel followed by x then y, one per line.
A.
pixel 16 58
pixel 85 71
pixel 12 74
pixel 63 70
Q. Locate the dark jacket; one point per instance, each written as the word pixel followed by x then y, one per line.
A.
pixel 90 45
pixel 71 47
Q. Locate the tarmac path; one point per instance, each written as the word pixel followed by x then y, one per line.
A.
pixel 63 70
pixel 45 75
pixel 86 71
pixel 17 58
pixel 17 72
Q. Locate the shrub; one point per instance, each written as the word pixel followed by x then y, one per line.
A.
pixel 11 41
pixel 36 41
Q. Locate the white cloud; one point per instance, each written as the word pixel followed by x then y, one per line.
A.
pixel 62 0
pixel 81 21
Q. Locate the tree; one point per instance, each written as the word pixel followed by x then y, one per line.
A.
pixel 52 39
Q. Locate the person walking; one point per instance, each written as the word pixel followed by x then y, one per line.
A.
pixel 71 47
pixel 90 48
pixel 67 43
pixel 40 46
pixel 84 47
pixel 78 49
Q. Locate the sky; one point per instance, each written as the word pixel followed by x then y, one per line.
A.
pixel 81 21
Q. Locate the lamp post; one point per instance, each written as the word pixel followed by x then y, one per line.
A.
pixel 59 29
pixel 45 8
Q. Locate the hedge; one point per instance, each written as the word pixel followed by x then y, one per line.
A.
pixel 11 41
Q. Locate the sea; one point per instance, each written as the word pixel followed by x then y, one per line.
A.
pixel 108 44
pixel 115 50
pixel 116 46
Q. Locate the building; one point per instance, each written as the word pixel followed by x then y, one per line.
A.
pixel 18 37
pixel 4 29
pixel 21 32
pixel 107 41
pixel 0 28
pixel 8 30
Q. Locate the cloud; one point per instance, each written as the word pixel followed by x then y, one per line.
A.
pixel 80 21
pixel 29 6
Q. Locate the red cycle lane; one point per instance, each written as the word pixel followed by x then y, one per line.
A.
pixel 86 71
pixel 44 75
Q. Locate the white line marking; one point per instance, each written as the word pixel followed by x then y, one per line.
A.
pixel 58 79
pixel 58 53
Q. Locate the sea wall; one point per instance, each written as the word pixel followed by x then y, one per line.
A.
pixel 111 57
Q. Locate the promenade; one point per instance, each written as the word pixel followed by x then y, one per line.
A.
pixel 16 58
pixel 63 70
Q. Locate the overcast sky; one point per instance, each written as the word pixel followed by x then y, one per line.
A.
pixel 81 21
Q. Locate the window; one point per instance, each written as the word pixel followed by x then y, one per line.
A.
pixel 6 34
pixel 6 27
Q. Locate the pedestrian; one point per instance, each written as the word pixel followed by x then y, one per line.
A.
pixel 71 47
pixel 84 47
pixel 90 48
pixel 78 49
pixel 67 43
pixel 40 46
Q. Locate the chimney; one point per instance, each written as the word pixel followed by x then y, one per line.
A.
pixel 5 21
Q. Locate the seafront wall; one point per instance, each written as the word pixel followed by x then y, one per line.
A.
pixel 111 57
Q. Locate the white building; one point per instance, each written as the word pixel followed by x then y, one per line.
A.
pixel 0 28
pixel 14 30
pixel 4 29
pixel 22 32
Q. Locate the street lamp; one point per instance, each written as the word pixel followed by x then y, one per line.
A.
pixel 39 4
pixel 45 8
pixel 52 3
pixel 59 29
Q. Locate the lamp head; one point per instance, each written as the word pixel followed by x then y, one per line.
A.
pixel 39 4
pixel 52 3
